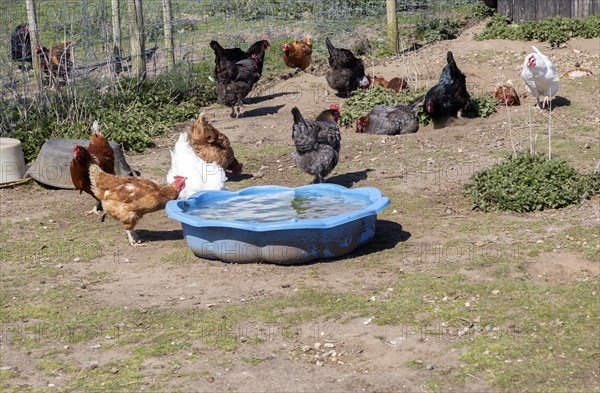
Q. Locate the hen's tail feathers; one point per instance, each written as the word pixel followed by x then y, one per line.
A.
pixel 450 58
pixel 330 46
pixel 415 105
pixel 95 127
pixel 216 47
pixel 297 116
pixel 536 50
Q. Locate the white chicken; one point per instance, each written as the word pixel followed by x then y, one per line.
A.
pixel 201 176
pixel 539 74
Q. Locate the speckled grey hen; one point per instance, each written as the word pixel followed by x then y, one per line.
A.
pixel 389 120
pixel 317 143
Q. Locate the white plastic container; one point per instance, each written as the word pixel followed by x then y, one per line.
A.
pixel 12 164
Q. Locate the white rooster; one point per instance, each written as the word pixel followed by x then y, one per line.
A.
pixel 539 74
pixel 201 176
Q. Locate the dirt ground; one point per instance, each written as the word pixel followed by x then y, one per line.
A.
pixel 421 173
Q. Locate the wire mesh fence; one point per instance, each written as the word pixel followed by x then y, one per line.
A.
pixel 89 25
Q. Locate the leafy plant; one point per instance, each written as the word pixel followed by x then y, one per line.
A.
pixel 436 29
pixel 479 10
pixel 553 30
pixel 481 105
pixel 363 100
pixel 132 114
pixel 530 182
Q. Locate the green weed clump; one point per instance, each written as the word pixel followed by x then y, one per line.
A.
pixel 481 105
pixel 553 30
pixel 530 182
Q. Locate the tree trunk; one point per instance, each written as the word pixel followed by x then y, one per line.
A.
pixel 33 35
pixel 392 25
pixel 116 31
pixel 136 32
pixel 168 30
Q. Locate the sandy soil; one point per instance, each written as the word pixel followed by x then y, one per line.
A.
pixel 432 162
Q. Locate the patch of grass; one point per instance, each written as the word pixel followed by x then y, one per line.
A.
pixel 530 182
pixel 553 353
pixel 432 386
pixel 253 361
pixel 180 257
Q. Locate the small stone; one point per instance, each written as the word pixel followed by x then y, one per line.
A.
pixel 92 365
pixel 51 385
pixel 66 347
pixel 373 298
pixel 394 211
pixel 76 259
pixel 59 266
pixel 539 241
pixel 429 367
pixel 114 370
pixel 306 348
pixel 467 304
pixel 495 292
pixel 318 345
pixel 320 363
pixel 418 361
pixel 586 146
pixel 95 346
pixel 329 345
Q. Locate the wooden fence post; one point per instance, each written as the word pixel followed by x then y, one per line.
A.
pixel 168 30
pixel 33 35
pixel 136 32
pixel 392 25
pixel 116 31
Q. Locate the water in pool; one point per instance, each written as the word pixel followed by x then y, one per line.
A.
pixel 278 206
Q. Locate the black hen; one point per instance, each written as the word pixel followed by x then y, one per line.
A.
pixel 389 120
pixel 231 93
pixel 346 73
pixel 225 59
pixel 449 97
pixel 317 144
pixel 20 44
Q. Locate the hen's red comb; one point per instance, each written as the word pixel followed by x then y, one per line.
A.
pixel 335 107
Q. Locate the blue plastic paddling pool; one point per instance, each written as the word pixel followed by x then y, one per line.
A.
pixel 278 224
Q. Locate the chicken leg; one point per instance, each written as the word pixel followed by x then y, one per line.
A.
pixel 99 210
pixel 134 240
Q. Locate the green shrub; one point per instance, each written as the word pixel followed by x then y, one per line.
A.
pixel 131 114
pixel 436 29
pixel 553 30
pixel 530 182
pixel 481 105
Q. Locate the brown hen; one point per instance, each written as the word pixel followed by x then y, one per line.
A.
pixel 128 198
pixel 213 146
pixel 298 54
